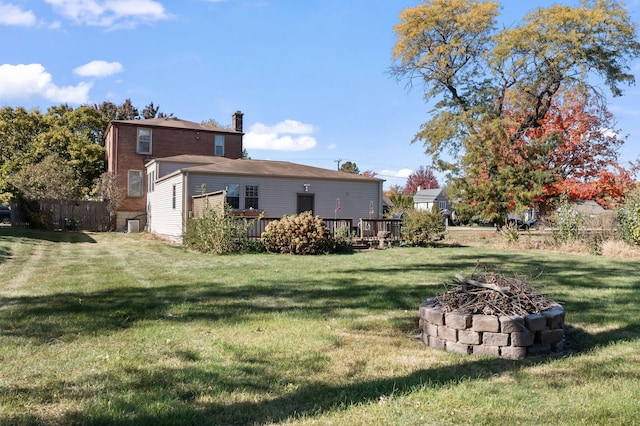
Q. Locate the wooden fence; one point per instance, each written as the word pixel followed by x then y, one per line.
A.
pixel 57 215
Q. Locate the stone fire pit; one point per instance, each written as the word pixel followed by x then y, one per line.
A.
pixel 493 315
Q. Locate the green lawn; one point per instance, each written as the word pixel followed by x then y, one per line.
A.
pixel 122 329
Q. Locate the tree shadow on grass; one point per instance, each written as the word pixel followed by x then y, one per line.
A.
pixel 186 394
pixel 51 236
pixel 192 394
pixel 183 394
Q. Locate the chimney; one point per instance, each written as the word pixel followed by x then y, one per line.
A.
pixel 236 121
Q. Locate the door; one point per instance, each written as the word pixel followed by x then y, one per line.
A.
pixel 305 203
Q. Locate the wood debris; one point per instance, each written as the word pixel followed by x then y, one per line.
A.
pixel 491 293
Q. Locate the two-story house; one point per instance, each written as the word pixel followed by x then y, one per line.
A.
pixel 130 144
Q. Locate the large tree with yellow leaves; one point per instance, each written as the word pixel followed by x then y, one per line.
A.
pixel 490 87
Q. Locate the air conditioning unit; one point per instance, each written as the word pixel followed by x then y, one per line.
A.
pixel 133 225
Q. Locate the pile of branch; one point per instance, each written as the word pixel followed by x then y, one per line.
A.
pixel 491 293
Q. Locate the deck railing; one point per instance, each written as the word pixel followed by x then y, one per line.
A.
pixel 366 229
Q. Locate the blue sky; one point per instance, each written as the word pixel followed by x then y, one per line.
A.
pixel 311 76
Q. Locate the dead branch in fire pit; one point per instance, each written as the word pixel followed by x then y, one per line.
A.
pixel 469 281
pixel 491 293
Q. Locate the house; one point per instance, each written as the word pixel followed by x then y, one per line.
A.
pixel 424 199
pixel 274 188
pixel 130 144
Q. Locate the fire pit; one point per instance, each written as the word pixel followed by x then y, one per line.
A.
pixel 494 315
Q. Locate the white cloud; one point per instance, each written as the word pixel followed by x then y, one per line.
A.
pixel 25 81
pixel 11 14
pixel 402 173
pixel 110 13
pixel 98 69
pixel 288 135
pixel 332 147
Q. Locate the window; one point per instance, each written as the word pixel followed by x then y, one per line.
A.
pixel 144 141
pixel 134 187
pixel 251 197
pixel 233 195
pixel 173 197
pixel 219 149
pixel 442 205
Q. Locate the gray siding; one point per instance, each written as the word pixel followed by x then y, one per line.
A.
pixel 278 196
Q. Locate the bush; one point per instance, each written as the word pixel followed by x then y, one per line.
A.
pixel 219 232
pixel 567 222
pixel 510 233
pixel 422 228
pixel 298 234
pixel 629 218
pixel 343 239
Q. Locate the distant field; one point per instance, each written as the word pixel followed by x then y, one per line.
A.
pixel 123 329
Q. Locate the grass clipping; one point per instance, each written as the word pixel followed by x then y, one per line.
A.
pixel 491 293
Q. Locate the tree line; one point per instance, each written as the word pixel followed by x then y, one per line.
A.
pixel 517 118
pixel 58 154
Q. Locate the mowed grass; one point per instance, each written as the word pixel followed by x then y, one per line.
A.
pixel 122 329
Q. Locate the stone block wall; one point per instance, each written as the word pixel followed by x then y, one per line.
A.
pixel 500 336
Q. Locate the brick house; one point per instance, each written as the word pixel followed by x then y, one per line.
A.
pixel 130 144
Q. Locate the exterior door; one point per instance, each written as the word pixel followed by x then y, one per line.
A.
pixel 305 203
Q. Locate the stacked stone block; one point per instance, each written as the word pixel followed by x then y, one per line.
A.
pixel 499 336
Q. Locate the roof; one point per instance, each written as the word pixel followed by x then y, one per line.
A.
pixel 263 168
pixel 174 123
pixel 427 195
pixel 588 207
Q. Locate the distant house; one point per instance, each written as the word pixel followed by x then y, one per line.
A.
pixel 274 188
pixel 425 199
pixel 130 144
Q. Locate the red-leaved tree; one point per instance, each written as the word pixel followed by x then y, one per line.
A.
pixel 585 156
pixel 422 178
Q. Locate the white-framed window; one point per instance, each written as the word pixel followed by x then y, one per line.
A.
pixel 219 146
pixel 442 205
pixel 134 183
pixel 233 195
pixel 251 197
pixel 144 141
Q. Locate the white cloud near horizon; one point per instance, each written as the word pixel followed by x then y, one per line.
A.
pixel 402 173
pixel 98 69
pixel 10 14
pixel 287 135
pixel 25 81
pixel 110 13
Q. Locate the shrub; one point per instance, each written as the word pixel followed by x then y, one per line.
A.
pixel 422 228
pixel 219 232
pixel 510 233
pixel 567 222
pixel 629 218
pixel 343 239
pixel 298 234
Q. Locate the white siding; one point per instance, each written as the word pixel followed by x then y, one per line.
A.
pixel 162 218
pixel 278 196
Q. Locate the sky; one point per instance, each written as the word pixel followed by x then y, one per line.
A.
pixel 311 76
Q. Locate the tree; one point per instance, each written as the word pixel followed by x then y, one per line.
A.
pixel 108 189
pixel 423 178
pixel 215 123
pixel 585 157
pixel 51 178
pixel 350 167
pixel 493 87
pixel 126 111
pixel 369 173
